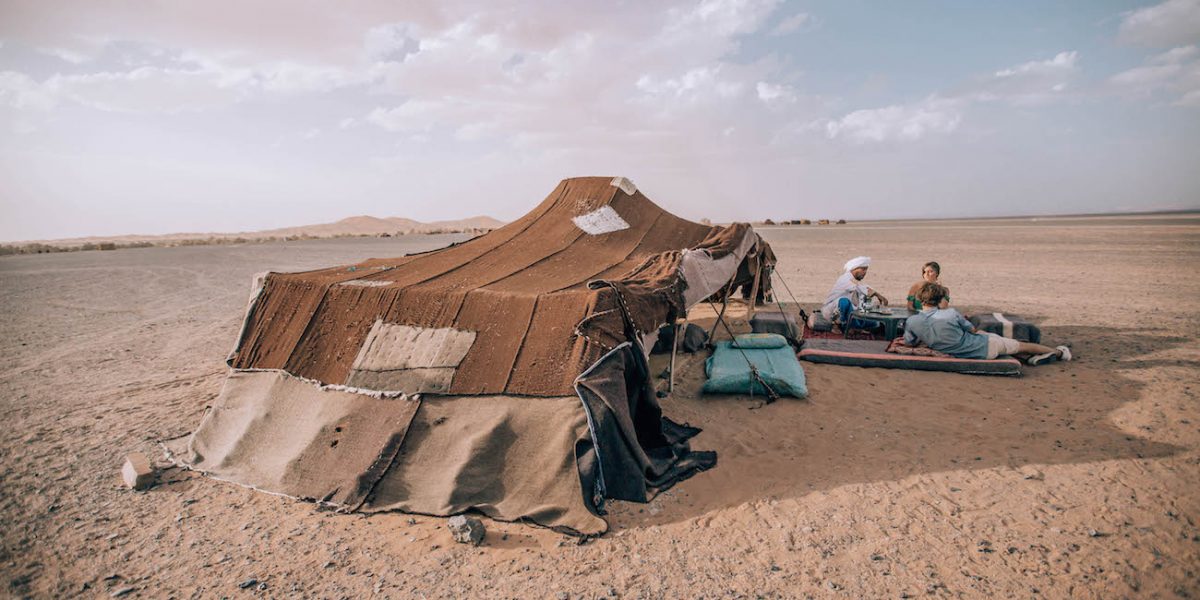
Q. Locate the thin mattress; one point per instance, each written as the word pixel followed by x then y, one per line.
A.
pixel 872 353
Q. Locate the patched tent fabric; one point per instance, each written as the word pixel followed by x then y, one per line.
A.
pixel 519 358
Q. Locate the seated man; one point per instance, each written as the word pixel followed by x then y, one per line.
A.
pixel 945 330
pixel 848 294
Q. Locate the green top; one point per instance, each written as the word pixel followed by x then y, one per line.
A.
pixel 917 303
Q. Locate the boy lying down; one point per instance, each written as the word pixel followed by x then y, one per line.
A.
pixel 945 330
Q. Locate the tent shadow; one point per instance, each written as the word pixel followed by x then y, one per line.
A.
pixel 864 425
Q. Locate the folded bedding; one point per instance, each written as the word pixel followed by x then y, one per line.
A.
pixel 728 370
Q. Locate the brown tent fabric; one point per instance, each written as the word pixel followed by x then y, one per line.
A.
pixel 313 324
pixel 520 355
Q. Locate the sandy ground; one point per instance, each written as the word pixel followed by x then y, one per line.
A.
pixel 1074 480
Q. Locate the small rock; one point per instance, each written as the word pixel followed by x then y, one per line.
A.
pixel 1094 533
pixel 412 521
pixel 563 596
pixel 831 584
pixel 1032 474
pixel 121 592
pixel 136 472
pixel 262 586
pixel 249 583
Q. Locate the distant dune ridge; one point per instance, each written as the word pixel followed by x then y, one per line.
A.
pixel 362 225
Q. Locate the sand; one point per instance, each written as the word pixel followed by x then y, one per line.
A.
pixel 1078 479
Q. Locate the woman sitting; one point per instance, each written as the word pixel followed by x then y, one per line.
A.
pixel 929 274
pixel 944 330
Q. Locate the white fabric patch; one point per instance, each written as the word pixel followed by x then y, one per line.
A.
pixel 364 283
pixel 601 220
pixel 1005 324
pixel 625 184
pixel 409 359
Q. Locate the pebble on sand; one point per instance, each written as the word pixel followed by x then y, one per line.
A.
pixel 467 530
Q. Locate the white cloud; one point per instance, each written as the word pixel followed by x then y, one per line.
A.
pixel 19 91
pixel 1146 77
pixel 1027 84
pixel 391 42
pixel 696 83
pixel 1190 99
pixel 293 78
pixel 1176 71
pixel 71 56
pixel 770 92
pixel 897 123
pixel 1030 83
pixel 1171 23
pixel 724 17
pixel 1176 56
pixel 1062 61
pixel 791 24
pixel 146 89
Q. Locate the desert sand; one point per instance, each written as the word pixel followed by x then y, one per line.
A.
pixel 1073 480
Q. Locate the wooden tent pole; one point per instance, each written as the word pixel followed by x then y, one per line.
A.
pixel 674 349
pixel 754 289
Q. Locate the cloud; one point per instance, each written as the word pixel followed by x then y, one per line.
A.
pixel 22 92
pixel 1027 84
pixel 897 123
pixel 1171 23
pixel 71 56
pixel 1176 71
pixel 1030 83
pixel 792 24
pixel 1190 99
pixel 770 92
pixel 699 83
pixel 1063 61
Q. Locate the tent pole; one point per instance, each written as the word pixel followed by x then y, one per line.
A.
pixel 674 349
pixel 754 290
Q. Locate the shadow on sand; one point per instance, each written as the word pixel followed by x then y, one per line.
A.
pixel 866 425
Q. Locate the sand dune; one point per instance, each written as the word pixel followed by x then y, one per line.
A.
pixel 1074 480
pixel 351 226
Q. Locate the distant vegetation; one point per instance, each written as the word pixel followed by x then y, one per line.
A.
pixel 40 248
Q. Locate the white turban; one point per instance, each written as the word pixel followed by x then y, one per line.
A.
pixel 858 261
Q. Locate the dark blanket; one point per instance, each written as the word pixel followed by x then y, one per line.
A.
pixel 694 339
pixel 634 451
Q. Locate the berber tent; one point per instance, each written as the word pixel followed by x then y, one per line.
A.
pixel 506 374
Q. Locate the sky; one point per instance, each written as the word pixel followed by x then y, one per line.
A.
pixel 184 116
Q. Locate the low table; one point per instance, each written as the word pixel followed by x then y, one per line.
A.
pixel 891 321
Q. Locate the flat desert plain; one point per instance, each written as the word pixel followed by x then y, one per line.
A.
pixel 1073 480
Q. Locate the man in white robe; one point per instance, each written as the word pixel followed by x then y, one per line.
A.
pixel 848 294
